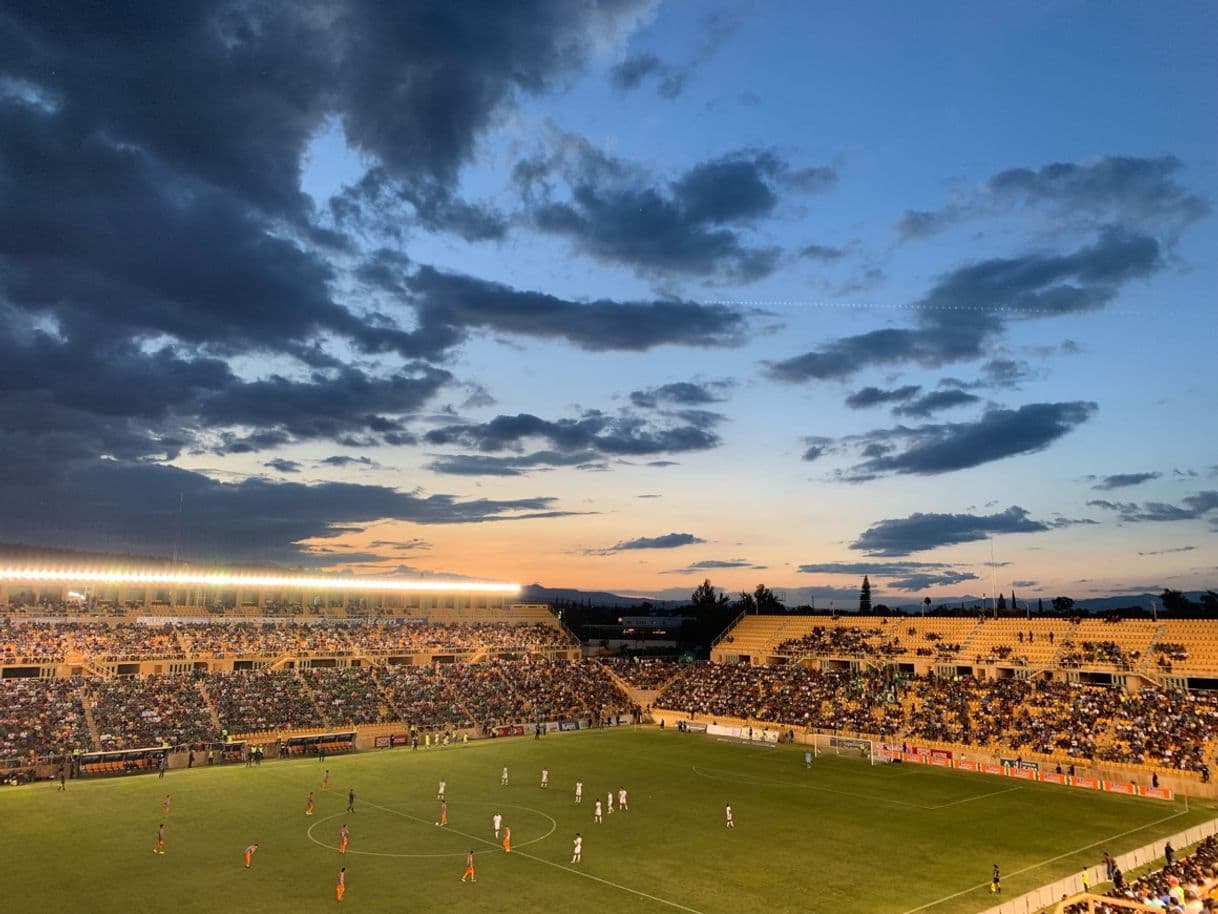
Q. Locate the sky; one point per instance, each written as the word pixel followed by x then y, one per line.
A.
pixel 617 294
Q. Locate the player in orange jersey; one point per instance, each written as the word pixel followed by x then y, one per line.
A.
pixel 507 839
pixel 325 780
pixel 344 835
pixel 309 804
pixel 165 803
pixel 469 868
pixel 341 889
pixel 443 813
pixel 249 855
pixel 160 839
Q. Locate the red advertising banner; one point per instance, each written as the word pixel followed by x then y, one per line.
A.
pixel 514 730
pixel 914 757
pixel 1158 793
pixel 965 765
pixel 1091 783
pixel 941 753
pixel 994 769
pixel 941 761
pixel 1120 787
pixel 1026 773
pixel 1053 778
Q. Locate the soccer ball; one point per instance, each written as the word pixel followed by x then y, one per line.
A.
pixel 437 823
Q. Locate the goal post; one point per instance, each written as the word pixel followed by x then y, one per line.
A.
pixel 846 747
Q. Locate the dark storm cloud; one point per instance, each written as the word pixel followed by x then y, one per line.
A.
pixel 944 448
pixel 485 465
pixel 1124 480
pixel 679 393
pixel 900 536
pixel 326 407
pixel 282 465
pixel 666 541
pixel 117 505
pixel 962 314
pixel 622 435
pixel 1191 507
pixel 692 226
pixel 935 401
pixel 448 303
pixel 344 460
pixel 875 396
pixel 1128 189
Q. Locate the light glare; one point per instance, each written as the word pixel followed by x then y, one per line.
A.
pixel 221 579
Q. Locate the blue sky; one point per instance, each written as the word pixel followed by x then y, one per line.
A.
pixel 626 296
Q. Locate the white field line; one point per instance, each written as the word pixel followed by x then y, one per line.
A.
pixel 980 796
pixel 748 779
pixel 557 866
pixel 1034 866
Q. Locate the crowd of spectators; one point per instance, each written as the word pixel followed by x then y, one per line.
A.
pixel 1099 653
pixel 643 673
pixel 834 700
pixel 842 641
pixel 132 713
pixel 128 642
pixel 1164 727
pixel 1185 885
pixel 261 700
pixel 24 642
pixel 34 642
pixel 349 695
pixel 40 717
pixel 1168 728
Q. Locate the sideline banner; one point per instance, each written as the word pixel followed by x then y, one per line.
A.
pixel 512 730
pixel 393 739
pixel 1158 793
pixel 1120 787
pixel 966 765
pixel 1053 778
pixel 1089 783
pixel 1028 774
pixel 941 761
pixel 995 769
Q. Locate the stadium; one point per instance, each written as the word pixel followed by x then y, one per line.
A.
pixel 888 760
pixel 596 456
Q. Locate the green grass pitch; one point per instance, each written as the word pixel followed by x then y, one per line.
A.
pixel 844 835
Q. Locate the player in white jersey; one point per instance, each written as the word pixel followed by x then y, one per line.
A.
pixel 579 791
pixel 596 813
pixel 497 821
pixel 440 790
pixel 545 777
pixel 621 800
pixel 577 848
pixel 728 810
pixel 610 796
pixel 503 777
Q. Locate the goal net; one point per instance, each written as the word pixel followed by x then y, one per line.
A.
pixel 845 747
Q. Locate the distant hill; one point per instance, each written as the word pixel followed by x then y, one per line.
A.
pixel 535 593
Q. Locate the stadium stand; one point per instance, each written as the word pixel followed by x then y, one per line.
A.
pixel 131 713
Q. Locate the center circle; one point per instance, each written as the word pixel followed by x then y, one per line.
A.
pixel 395 810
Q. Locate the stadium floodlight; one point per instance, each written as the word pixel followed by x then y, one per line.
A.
pixel 222 579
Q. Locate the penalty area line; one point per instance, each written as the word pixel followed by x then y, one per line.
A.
pixel 557 866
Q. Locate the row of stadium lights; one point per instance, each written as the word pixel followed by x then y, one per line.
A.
pixel 223 580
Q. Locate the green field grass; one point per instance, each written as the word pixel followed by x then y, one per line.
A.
pixel 842 836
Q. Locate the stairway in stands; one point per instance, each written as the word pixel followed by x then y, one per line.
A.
pixel 87 702
pixel 211 707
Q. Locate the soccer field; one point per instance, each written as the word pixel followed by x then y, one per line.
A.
pixel 844 835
